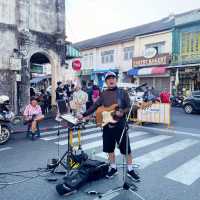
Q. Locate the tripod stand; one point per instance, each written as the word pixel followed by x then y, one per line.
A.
pixel 72 161
pixel 126 185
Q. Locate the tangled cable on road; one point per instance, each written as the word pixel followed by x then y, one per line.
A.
pixel 40 172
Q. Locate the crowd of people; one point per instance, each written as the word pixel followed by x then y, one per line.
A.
pixel 151 94
pixel 79 96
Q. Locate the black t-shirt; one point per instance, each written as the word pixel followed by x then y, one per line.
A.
pixel 59 93
pixel 110 97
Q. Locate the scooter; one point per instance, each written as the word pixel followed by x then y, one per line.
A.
pixel 177 101
pixel 6 117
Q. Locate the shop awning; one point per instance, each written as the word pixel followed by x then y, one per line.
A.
pixel 133 72
pixel 86 71
pixel 104 70
pixel 72 52
pixel 38 79
pixel 147 71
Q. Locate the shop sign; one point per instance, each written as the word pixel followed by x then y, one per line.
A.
pixel 76 65
pixel 150 52
pixel 37 69
pixel 160 59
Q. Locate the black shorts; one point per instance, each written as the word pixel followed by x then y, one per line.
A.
pixel 111 136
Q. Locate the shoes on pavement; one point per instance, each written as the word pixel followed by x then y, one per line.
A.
pixel 131 174
pixel 111 173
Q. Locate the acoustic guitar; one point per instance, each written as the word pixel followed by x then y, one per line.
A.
pixel 106 115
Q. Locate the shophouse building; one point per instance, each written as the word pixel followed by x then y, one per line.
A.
pixel 185 69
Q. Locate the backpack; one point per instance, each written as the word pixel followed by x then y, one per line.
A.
pixel 90 170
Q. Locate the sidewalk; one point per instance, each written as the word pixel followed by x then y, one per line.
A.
pixel 180 122
pixel 49 123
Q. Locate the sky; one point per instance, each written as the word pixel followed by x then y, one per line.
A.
pixel 87 19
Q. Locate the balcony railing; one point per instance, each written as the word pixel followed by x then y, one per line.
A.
pixel 178 59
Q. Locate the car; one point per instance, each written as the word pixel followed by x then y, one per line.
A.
pixel 192 103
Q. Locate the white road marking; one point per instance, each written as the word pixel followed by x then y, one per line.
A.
pixel 164 152
pixel 187 173
pixel 100 142
pixel 86 137
pixel 5 148
pixel 46 133
pixel 91 130
pixel 65 134
pixel 90 125
pixel 139 144
pixel 167 131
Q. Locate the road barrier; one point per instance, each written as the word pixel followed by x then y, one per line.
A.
pixel 156 113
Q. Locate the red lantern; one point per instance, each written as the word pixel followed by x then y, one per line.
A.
pixel 76 65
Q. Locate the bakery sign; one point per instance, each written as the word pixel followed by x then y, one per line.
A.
pixel 159 59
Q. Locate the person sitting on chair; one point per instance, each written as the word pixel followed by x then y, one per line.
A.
pixel 33 115
pixel 113 132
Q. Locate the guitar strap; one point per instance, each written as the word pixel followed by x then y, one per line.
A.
pixel 120 98
pixel 122 104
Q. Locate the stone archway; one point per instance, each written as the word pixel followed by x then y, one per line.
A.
pixel 52 58
pixel 42 56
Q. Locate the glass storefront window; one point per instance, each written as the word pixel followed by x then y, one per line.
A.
pixel 190 44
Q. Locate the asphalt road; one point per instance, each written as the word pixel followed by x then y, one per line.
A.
pixel 167 161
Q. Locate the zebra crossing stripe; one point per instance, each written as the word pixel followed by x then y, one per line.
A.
pixel 47 133
pixel 91 130
pixel 99 143
pixel 65 135
pixel 5 148
pixel 86 137
pixel 187 173
pixel 164 152
pixel 92 136
pixel 90 126
pixel 139 144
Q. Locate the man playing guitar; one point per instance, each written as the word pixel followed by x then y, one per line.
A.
pixel 112 132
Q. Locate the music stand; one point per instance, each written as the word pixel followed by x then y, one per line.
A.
pixel 72 122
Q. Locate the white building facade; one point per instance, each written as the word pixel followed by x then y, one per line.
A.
pixel 124 52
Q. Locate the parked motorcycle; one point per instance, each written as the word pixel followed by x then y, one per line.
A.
pixel 6 118
pixel 177 101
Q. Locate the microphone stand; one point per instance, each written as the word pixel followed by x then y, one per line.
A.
pixel 126 185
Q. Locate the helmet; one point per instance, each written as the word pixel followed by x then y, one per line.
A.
pixel 4 99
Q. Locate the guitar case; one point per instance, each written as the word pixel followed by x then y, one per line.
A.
pixel 91 170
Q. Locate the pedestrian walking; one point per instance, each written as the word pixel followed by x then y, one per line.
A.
pixel 95 93
pixel 59 91
pixel 78 103
pixel 89 93
pixel 165 96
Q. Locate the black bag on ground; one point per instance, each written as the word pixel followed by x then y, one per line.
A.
pixel 90 170
pixel 72 181
pixel 97 169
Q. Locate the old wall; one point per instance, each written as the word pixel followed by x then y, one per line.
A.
pixel 47 16
pixel 7 11
pixel 29 26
